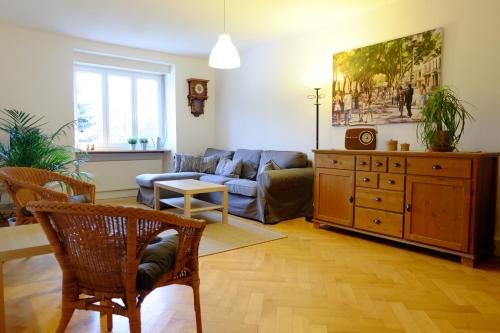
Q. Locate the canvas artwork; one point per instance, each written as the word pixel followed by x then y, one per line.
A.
pixel 386 83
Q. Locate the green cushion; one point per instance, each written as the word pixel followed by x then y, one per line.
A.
pixel 158 259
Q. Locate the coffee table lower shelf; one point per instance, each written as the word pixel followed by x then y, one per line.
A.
pixel 197 205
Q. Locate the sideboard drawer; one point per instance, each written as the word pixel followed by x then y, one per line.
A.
pixel 381 222
pixel 396 164
pixel 446 167
pixel 363 163
pixel 367 179
pixel 380 199
pixel 335 161
pixel 392 181
pixel 379 163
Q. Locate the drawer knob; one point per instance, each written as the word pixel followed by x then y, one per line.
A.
pixel 408 207
pixel 396 164
pixel 378 163
pixel 376 221
pixel 436 167
pixel 391 182
pixel 366 179
pixel 335 161
pixel 362 163
pixel 377 199
pixel 351 199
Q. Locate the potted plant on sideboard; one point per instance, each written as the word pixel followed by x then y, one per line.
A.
pixel 443 120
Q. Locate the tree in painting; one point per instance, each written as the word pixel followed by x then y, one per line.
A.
pixel 387 82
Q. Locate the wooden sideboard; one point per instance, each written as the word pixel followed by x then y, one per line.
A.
pixel 442 201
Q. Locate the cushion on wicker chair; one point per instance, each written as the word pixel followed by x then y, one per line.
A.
pixel 26 212
pixel 81 198
pixel 157 260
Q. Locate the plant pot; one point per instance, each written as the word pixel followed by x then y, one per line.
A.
pixel 441 142
pixel 144 145
pixel 132 146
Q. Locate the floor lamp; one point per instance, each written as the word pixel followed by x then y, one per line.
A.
pixel 317 96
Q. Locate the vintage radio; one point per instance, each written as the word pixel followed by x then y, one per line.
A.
pixel 361 138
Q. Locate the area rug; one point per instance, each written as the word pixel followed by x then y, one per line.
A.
pixel 218 237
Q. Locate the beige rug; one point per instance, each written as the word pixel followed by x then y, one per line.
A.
pixel 218 237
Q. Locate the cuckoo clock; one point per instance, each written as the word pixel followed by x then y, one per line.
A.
pixel 197 95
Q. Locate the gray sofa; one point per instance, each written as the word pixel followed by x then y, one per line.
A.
pixel 269 197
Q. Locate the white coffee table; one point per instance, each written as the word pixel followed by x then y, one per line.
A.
pixel 189 187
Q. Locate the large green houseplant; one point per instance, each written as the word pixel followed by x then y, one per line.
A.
pixel 29 146
pixel 442 120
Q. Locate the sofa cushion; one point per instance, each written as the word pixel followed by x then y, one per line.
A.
pixel 270 165
pixel 228 168
pixel 284 159
pixel 209 164
pixel 177 163
pixel 219 152
pixel 250 162
pixel 216 179
pixel 190 163
pixel 148 179
pixel 158 259
pixel 244 187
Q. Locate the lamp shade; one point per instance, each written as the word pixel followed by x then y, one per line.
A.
pixel 318 79
pixel 224 54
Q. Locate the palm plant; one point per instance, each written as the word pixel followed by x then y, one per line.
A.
pixel 30 147
pixel 442 121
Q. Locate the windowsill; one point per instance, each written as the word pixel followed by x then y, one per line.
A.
pixel 127 151
pixel 116 154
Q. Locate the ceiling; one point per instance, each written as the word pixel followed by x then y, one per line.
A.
pixel 188 27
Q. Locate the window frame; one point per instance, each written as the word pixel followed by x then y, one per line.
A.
pixel 134 75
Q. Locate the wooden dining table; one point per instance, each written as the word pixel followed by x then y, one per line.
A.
pixel 19 242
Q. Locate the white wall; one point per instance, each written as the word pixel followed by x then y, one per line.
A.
pixel 36 75
pixel 263 104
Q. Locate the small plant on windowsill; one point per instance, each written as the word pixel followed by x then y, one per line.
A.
pixel 132 142
pixel 144 143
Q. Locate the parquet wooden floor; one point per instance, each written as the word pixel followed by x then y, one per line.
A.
pixel 312 281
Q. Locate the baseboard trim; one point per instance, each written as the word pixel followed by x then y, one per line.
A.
pixel 116 194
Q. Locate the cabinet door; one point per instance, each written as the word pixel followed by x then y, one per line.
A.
pixel 437 211
pixel 334 196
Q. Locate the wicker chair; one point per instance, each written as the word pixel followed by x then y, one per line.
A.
pixel 100 248
pixel 26 184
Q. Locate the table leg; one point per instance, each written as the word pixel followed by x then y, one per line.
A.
pixel 157 197
pixel 2 302
pixel 224 207
pixel 187 205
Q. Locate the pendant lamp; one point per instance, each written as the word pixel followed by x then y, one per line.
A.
pixel 224 54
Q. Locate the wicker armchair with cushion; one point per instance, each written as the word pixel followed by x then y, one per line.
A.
pixel 27 184
pixel 107 253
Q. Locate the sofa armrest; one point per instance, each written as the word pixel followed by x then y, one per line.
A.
pixel 286 193
pixel 286 178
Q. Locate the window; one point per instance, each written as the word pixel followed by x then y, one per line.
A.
pixel 112 105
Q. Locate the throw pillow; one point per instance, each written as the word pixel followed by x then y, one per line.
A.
pixel 177 162
pixel 249 170
pixel 228 168
pixel 190 163
pixel 270 165
pixel 209 164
